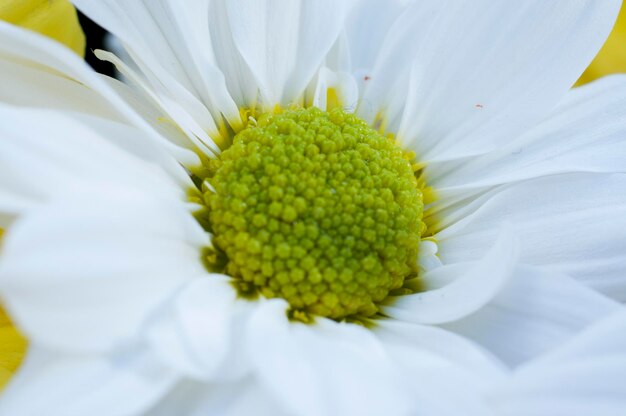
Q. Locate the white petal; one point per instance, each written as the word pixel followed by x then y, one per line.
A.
pixel 47 74
pixel 385 82
pixel 199 331
pixel 472 286
pixel 243 398
pixel 450 382
pixel 239 78
pixel 321 368
pixel 573 223
pixel 584 377
pixel 584 133
pixel 445 344
pixel 284 42
pixel 536 311
pixel 475 74
pixel 126 383
pixel 43 153
pixel 84 271
pixel 367 27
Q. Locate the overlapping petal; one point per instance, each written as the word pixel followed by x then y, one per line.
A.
pixel 45 74
pixel 218 56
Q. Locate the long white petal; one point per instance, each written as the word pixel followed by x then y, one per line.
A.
pixel 461 78
pixel 536 312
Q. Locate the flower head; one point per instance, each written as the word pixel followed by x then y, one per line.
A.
pixel 284 213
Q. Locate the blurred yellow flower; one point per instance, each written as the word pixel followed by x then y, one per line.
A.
pixel 12 345
pixel 612 57
pixel 12 348
pixel 54 18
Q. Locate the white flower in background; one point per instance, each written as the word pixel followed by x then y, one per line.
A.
pixel 443 235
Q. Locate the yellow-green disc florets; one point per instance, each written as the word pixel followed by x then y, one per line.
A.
pixel 317 208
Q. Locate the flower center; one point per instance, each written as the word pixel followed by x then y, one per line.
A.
pixel 317 208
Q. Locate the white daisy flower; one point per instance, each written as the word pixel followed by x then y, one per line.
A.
pixel 316 208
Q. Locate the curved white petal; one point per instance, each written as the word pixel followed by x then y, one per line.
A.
pixel 199 331
pixel 536 311
pixel 460 78
pixel 472 286
pixel 125 383
pixel 43 153
pixel 320 368
pixel 572 223
pixel 427 261
pixel 46 74
pixel 584 133
pixel 284 42
pixel 83 272
pixel 584 377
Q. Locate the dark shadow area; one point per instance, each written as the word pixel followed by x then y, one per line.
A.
pixel 95 40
